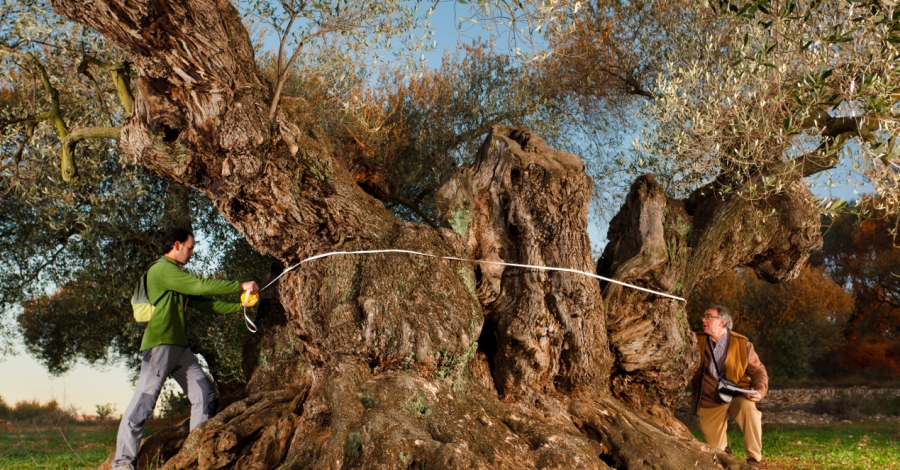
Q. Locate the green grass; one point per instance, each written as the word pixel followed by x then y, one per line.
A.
pixel 845 445
pixel 67 446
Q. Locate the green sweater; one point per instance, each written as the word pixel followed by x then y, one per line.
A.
pixel 176 290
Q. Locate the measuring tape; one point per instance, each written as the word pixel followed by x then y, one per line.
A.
pixel 252 299
pixel 249 300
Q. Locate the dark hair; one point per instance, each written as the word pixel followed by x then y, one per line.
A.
pixel 174 234
pixel 724 314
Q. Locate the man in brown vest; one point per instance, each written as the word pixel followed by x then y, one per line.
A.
pixel 729 355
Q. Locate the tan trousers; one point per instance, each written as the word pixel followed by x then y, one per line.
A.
pixel 714 423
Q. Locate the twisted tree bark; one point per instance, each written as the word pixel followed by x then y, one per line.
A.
pixel 397 361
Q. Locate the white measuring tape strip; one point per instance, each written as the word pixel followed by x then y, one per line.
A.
pixel 528 266
pixel 249 323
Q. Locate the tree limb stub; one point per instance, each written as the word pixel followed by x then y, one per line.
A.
pixel 522 202
pixel 67 150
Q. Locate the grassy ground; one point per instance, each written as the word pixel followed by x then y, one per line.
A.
pixel 847 445
pixel 67 446
pixel 853 445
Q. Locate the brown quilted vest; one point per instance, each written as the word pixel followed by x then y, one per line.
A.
pixel 736 362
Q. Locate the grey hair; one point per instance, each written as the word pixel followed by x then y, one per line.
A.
pixel 723 313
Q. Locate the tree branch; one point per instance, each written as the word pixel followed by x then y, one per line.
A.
pixel 282 43
pixel 415 208
pixel 29 131
pixel 824 157
pixel 17 157
pixel 282 78
pixel 97 90
pixel 50 261
pixel 120 79
pixel 54 113
pixel 67 152
pixel 26 119
pixel 67 165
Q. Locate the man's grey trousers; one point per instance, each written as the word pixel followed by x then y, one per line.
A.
pixel 156 364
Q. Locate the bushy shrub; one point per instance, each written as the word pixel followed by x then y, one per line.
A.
pixel 50 413
pixel 106 411
pixel 173 403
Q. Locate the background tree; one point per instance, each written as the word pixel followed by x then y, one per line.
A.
pixel 792 325
pixel 861 255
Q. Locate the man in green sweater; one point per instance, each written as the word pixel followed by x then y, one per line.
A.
pixel 164 347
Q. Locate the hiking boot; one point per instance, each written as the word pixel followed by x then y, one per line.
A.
pixel 752 462
pixel 124 466
pixel 728 450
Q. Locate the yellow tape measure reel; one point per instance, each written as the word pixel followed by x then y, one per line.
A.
pixel 248 299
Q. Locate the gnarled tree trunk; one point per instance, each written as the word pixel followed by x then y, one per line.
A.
pixel 399 361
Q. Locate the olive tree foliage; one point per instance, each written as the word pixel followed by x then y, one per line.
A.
pixel 799 88
pixel 603 70
pixel 360 67
pixel 405 132
pixel 340 38
pixel 757 94
pixel 337 35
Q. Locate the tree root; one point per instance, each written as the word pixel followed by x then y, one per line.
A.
pixel 402 420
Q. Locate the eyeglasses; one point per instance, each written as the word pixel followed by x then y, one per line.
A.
pixel 710 317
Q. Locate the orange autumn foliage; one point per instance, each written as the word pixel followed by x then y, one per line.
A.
pixel 861 255
pixel 791 324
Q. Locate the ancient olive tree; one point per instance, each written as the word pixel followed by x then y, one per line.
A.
pixel 406 362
